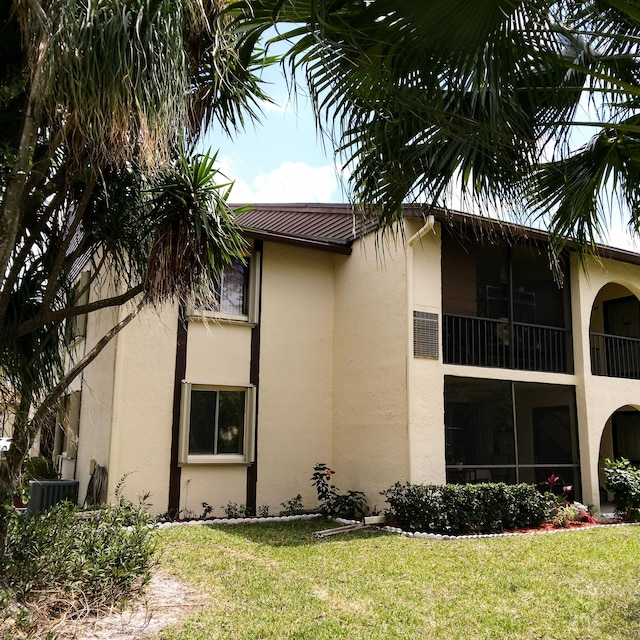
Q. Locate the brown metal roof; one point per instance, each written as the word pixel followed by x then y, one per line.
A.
pixel 334 227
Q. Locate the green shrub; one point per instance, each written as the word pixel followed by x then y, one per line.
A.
pixel 293 507
pixel 623 480
pixel 234 510
pixel 66 559
pixel 352 504
pixel 564 515
pixel 459 509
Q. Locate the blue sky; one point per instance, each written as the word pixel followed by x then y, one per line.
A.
pixel 282 159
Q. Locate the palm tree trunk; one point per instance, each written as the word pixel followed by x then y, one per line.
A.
pixel 13 200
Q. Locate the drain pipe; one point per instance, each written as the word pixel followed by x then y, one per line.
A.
pixel 422 232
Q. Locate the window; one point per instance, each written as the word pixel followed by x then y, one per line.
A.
pixel 232 289
pixel 235 295
pixel 76 326
pixel 67 423
pixel 216 424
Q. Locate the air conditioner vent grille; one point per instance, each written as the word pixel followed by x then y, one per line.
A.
pixel 425 335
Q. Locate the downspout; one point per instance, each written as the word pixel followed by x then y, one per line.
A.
pixel 426 228
pixel 422 232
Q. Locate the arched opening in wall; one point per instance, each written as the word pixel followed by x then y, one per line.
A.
pixel 614 333
pixel 620 439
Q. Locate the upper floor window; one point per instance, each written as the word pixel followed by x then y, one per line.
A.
pixel 231 291
pixel 235 293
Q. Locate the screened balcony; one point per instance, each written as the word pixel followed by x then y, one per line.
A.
pixel 501 431
pixel 486 342
pixel 502 307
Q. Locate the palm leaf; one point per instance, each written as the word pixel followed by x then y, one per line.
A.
pixel 196 235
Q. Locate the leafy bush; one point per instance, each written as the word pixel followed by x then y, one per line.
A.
pixel 352 504
pixel 459 509
pixel 623 480
pixel 234 510
pixel 70 561
pixel 39 468
pixel 293 507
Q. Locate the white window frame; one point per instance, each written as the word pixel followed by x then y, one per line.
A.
pixel 253 293
pixel 248 455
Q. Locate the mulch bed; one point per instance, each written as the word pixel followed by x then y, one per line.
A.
pixel 549 526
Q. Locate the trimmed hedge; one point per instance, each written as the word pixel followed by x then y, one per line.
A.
pixel 462 509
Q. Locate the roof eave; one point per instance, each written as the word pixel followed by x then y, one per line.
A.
pixel 297 241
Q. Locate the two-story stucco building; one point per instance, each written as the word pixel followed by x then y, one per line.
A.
pixel 447 353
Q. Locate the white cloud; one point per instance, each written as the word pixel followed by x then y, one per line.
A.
pixel 290 182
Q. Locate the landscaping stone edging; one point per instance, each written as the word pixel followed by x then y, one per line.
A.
pixel 226 521
pixel 386 529
pixel 473 536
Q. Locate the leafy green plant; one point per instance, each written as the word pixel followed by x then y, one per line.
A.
pixel 263 511
pixel 69 560
pixel 293 507
pixel 233 510
pixel 352 504
pixel 564 515
pixel 39 468
pixel 459 509
pixel 623 480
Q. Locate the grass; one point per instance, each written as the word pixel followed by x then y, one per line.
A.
pixel 278 581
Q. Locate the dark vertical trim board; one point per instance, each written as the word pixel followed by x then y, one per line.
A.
pixel 180 372
pixel 254 379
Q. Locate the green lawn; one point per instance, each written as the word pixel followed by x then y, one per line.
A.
pixel 278 581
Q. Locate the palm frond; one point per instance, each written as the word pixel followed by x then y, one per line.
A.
pixel 196 236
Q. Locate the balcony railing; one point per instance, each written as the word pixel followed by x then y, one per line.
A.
pixel 615 356
pixel 486 342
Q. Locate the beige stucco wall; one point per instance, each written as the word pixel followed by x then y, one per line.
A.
pixel 371 439
pixel 597 397
pixel 218 353
pixel 97 399
pixel 296 357
pixel 143 385
pixel 425 375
